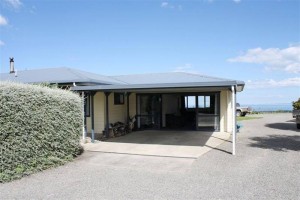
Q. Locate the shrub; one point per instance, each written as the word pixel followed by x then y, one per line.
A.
pixel 296 104
pixel 39 128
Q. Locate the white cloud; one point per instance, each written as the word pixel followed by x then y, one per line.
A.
pixel 188 68
pixel 14 3
pixel 167 5
pixel 1 43
pixel 270 83
pixel 287 59
pixel 3 21
pixel 236 1
pixel 164 4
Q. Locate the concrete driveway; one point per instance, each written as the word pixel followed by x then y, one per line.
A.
pixel 267 166
pixel 178 144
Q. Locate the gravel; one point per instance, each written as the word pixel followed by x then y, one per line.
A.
pixel 267 166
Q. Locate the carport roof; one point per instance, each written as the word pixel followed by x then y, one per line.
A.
pixel 163 81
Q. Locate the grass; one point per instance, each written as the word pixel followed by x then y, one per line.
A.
pixel 247 118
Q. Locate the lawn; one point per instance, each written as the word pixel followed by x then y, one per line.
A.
pixel 247 118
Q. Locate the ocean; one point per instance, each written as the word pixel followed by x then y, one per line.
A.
pixel 271 107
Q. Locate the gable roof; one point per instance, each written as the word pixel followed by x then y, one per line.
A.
pixel 61 75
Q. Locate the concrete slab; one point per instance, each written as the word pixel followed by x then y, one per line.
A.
pixel 179 144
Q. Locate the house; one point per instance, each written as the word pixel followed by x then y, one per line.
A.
pixel 174 100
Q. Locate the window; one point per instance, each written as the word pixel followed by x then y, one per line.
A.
pixel 87 104
pixel 204 101
pixel 190 102
pixel 119 98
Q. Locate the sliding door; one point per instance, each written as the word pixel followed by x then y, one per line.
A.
pixel 208 111
pixel 149 111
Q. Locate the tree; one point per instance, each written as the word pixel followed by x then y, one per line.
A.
pixel 296 104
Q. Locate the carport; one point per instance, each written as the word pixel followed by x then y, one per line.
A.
pixel 214 102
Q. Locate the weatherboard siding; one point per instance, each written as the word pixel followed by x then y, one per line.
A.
pixel 117 113
pixel 99 108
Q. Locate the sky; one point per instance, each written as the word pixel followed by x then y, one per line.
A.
pixel 256 41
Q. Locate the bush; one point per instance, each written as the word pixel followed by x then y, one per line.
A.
pixel 296 104
pixel 40 128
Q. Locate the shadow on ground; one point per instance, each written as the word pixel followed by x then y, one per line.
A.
pixel 277 142
pixel 283 126
pixel 179 138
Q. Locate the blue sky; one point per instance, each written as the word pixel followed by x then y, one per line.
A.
pixel 250 40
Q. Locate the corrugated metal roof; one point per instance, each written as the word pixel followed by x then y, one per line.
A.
pixel 171 77
pixel 124 82
pixel 57 75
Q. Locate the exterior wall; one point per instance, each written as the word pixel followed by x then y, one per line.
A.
pixel 229 112
pixel 117 113
pixel 99 111
pixel 226 111
pixel 223 111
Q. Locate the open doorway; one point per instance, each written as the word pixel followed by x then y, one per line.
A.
pixel 149 111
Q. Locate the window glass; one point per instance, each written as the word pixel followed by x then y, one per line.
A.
pixel 190 102
pixel 87 105
pixel 118 98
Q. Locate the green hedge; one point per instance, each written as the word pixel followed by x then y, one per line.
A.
pixel 40 128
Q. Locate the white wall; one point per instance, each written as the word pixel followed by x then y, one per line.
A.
pixel 229 112
pixel 226 111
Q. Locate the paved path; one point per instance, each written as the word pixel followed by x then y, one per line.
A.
pixel 267 166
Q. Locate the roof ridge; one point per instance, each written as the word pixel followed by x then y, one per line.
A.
pixel 187 73
pixel 112 77
pixel 77 73
pixel 205 76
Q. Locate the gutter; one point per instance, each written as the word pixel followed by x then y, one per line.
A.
pixel 157 86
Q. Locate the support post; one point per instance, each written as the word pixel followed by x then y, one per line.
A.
pixel 197 112
pixel 92 94
pixel 107 114
pixel 83 118
pixel 127 96
pixel 233 93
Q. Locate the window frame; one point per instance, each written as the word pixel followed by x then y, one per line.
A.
pixel 87 105
pixel 119 98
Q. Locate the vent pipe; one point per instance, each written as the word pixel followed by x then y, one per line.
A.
pixel 12 65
